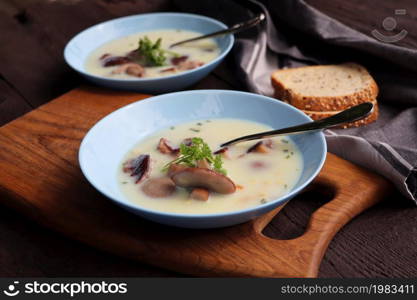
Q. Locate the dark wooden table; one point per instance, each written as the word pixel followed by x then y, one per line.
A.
pixel 381 242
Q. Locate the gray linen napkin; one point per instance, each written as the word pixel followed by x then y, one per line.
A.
pixel 296 34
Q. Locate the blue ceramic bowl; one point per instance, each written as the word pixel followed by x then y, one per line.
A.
pixel 79 48
pixel 105 145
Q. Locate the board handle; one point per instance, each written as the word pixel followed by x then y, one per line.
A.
pixel 354 190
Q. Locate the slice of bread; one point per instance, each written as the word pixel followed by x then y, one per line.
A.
pixel 325 88
pixel 315 115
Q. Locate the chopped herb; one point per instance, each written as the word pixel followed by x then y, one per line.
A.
pixel 172 127
pixel 197 150
pixel 292 153
pixel 208 121
pixel 287 157
pixel 284 141
pixel 199 124
pixel 285 150
pixel 286 186
pixel 195 130
pixel 263 201
pixel 151 54
pixel 124 182
pixel 218 164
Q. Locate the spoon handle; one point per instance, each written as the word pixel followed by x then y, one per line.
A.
pixel 233 29
pixel 349 115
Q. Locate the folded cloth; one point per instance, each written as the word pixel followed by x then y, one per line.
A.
pixel 296 34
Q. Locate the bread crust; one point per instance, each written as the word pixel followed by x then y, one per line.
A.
pixel 324 103
pixel 369 119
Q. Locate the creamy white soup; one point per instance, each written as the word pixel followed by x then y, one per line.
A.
pixel 147 55
pixel 254 173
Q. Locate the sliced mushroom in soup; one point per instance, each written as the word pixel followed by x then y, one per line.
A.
pixel 188 174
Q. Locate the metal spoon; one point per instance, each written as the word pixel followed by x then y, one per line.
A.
pixel 349 115
pixel 234 29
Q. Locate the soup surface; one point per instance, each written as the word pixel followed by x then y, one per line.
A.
pixel 259 176
pixel 124 59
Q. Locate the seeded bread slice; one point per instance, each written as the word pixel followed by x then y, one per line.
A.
pixel 325 88
pixel 369 119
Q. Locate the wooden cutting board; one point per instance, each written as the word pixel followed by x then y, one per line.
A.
pixel 40 178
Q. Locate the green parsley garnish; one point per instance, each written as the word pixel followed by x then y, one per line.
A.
pixel 196 151
pixel 218 164
pixel 151 54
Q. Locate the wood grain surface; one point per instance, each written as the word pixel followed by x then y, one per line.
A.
pixel 43 146
pixel 368 15
pixel 385 236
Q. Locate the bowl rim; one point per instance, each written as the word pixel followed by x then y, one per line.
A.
pixel 138 80
pixel 273 203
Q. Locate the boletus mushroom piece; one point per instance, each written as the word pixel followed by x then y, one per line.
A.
pixel 138 167
pixel 159 187
pixel 199 194
pixel 204 178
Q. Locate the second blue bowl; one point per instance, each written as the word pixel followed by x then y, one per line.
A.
pixel 80 47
